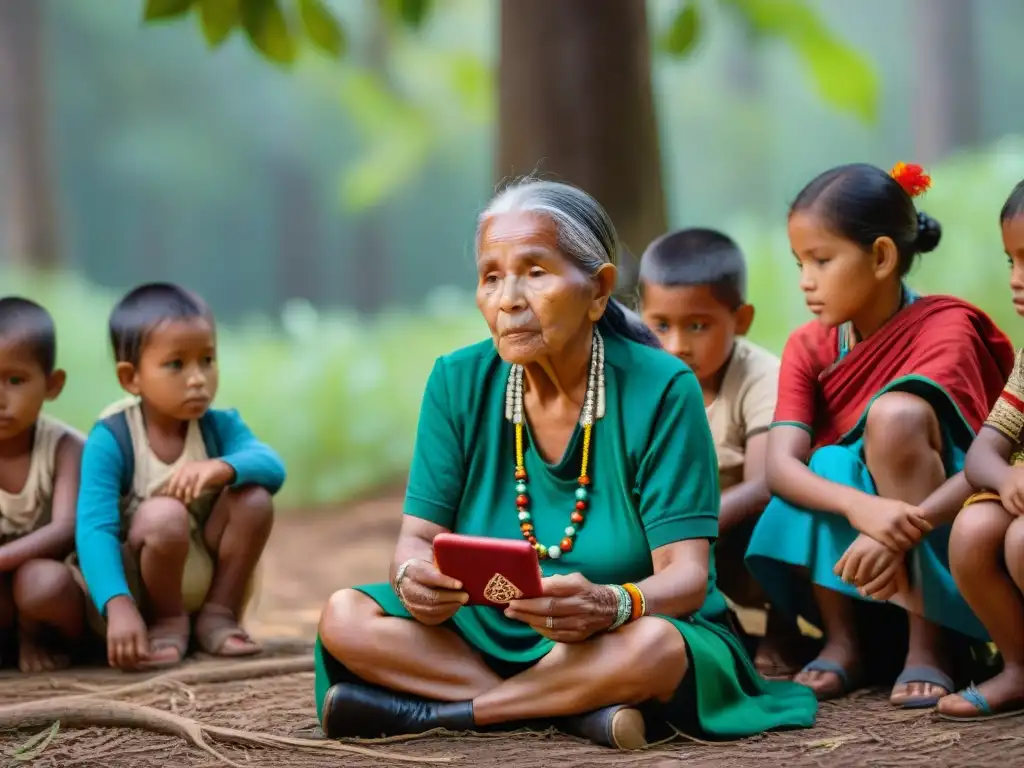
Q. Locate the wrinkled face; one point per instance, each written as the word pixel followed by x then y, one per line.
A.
pixel 536 302
pixel 24 387
pixel 177 372
pixel 1013 242
pixel 693 325
pixel 837 277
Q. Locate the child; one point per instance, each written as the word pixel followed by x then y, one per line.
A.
pixel 986 548
pixel 693 297
pixel 879 398
pixel 39 466
pixel 175 505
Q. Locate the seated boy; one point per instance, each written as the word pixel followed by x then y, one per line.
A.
pixel 693 296
pixel 41 609
pixel 175 505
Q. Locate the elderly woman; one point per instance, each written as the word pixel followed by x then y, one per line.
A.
pixel 569 428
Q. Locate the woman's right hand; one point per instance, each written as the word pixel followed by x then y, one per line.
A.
pixel 430 596
pixel 896 524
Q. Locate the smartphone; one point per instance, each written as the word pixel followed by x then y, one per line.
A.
pixel 492 571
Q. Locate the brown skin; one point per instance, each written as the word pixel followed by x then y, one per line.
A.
pixel 842 282
pixel 176 380
pixel 694 326
pixel 34 582
pixel 986 547
pixel 541 309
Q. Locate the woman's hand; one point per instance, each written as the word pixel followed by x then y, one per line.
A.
pixel 431 597
pixel 896 524
pixel 871 567
pixel 571 609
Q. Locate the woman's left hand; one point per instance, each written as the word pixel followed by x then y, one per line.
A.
pixel 571 609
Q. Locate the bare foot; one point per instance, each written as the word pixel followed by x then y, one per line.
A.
pixel 1003 693
pixel 35 656
pixel 168 642
pixel 783 650
pixel 833 673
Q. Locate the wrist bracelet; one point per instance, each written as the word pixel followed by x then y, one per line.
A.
pixel 639 602
pixel 624 607
pixel 399 575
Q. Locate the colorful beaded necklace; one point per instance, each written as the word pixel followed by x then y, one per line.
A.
pixel 593 409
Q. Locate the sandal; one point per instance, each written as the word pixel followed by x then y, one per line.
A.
pixel 975 698
pixel 847 682
pixel 215 626
pixel 927 675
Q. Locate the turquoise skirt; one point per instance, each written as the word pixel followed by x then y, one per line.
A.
pixel 787 535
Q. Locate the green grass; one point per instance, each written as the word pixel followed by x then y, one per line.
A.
pixel 339 396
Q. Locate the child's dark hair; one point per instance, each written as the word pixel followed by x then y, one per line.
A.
pixel 697 256
pixel 1014 205
pixel 28 323
pixel 863 203
pixel 144 308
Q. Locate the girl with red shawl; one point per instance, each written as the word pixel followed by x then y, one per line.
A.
pixel 879 399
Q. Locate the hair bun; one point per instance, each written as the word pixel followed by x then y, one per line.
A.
pixel 929 233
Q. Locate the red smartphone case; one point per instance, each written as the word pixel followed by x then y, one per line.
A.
pixel 492 571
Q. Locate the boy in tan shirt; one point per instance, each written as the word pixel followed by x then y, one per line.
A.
pixel 693 296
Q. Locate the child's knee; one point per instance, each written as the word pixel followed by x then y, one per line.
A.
pixel 160 522
pixel 39 585
pixel 1013 542
pixel 251 506
pixel 978 531
pixel 899 426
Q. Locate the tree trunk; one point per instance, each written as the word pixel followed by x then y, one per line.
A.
pixel 298 227
pixel 575 103
pixel 371 261
pixel 947 99
pixel 28 201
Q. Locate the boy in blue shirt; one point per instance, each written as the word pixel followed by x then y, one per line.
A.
pixel 175 502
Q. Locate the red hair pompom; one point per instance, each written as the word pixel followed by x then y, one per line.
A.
pixel 911 177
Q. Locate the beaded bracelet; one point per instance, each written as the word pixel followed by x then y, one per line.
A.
pixel 625 606
pixel 639 602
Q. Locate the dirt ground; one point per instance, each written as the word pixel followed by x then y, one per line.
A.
pixel 308 558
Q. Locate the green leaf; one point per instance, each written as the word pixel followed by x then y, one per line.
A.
pixel 218 19
pixel 321 26
pixel 268 30
pixel 681 35
pixel 412 13
pixel 842 76
pixel 32 748
pixel 166 9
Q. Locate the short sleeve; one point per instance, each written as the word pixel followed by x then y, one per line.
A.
pixel 797 385
pixel 438 469
pixel 1007 415
pixel 757 406
pixel 677 481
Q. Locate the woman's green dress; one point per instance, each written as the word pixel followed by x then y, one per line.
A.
pixel 654 481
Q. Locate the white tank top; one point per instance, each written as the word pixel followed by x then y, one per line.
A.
pixel 31 508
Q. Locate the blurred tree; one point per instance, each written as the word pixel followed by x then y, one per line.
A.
pixel 28 197
pixel 575 102
pixel 947 100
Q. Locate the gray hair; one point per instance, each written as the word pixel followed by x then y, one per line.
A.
pixel 586 235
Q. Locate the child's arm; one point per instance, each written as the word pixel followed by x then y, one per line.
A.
pixel 253 462
pixel 749 498
pixel 987 466
pixel 56 539
pixel 98 524
pixel 757 409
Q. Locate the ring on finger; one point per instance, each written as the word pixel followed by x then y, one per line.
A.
pixel 549 622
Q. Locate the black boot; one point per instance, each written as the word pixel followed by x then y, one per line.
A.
pixel 619 726
pixel 351 710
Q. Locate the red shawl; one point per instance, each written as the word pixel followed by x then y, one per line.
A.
pixel 940 338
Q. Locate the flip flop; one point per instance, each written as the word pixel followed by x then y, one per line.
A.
pixel 975 698
pixel 158 643
pixel 928 675
pixel 847 682
pixel 215 625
